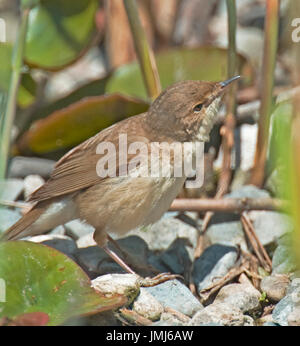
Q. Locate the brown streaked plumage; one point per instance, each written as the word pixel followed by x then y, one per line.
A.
pixel 120 204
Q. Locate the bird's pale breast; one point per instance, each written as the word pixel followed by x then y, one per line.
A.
pixel 119 205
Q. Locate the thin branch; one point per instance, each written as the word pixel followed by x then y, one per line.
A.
pixel 179 315
pixel 208 292
pixel 134 317
pixel 243 267
pixel 269 60
pixel 253 269
pixel 230 205
pixel 228 129
pixel 143 50
pixel 257 246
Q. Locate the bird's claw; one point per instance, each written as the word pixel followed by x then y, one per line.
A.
pixel 158 279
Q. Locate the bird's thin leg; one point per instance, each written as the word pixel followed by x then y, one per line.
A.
pixel 118 260
pixel 145 282
pixel 101 238
pixel 117 246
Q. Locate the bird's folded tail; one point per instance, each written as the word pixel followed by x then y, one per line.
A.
pixel 22 227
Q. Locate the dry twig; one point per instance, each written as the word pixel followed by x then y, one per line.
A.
pixel 228 205
pixel 208 292
pixel 257 246
pixel 179 315
pixel 134 317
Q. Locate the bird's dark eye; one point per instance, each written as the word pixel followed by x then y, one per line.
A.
pixel 198 107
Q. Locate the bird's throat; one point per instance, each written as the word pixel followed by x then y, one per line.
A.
pixel 208 121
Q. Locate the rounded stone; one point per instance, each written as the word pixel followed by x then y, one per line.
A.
pixel 275 286
pixel 147 306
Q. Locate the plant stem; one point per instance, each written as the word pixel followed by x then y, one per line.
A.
pixel 231 20
pixel 232 54
pixel 228 128
pixel 10 109
pixel 230 120
pixel 269 60
pixel 143 50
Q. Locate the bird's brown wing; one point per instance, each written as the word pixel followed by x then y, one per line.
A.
pixel 76 170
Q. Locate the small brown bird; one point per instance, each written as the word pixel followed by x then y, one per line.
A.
pixel 184 112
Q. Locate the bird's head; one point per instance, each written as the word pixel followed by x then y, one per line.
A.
pixel 187 110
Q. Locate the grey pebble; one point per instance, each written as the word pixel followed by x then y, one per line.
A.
pixel 11 189
pixel 177 296
pixel 275 286
pixel 242 296
pixel 222 313
pixel 147 306
pixel 8 217
pixel 214 263
pixel 285 307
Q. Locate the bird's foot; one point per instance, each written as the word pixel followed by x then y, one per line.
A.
pixel 144 282
pixel 158 279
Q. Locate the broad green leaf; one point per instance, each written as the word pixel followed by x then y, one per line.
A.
pixel 72 125
pixel 27 88
pixel 92 88
pixel 41 279
pixel 279 150
pixel 59 31
pixel 284 148
pixel 279 147
pixel 280 133
pixel 204 63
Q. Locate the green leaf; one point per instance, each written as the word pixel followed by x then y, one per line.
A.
pixel 280 134
pixel 27 90
pixel 279 164
pixel 59 32
pixel 41 279
pixel 204 63
pixel 93 88
pixel 72 125
pixel 263 297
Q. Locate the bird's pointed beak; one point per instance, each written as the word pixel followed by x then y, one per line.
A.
pixel 229 81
